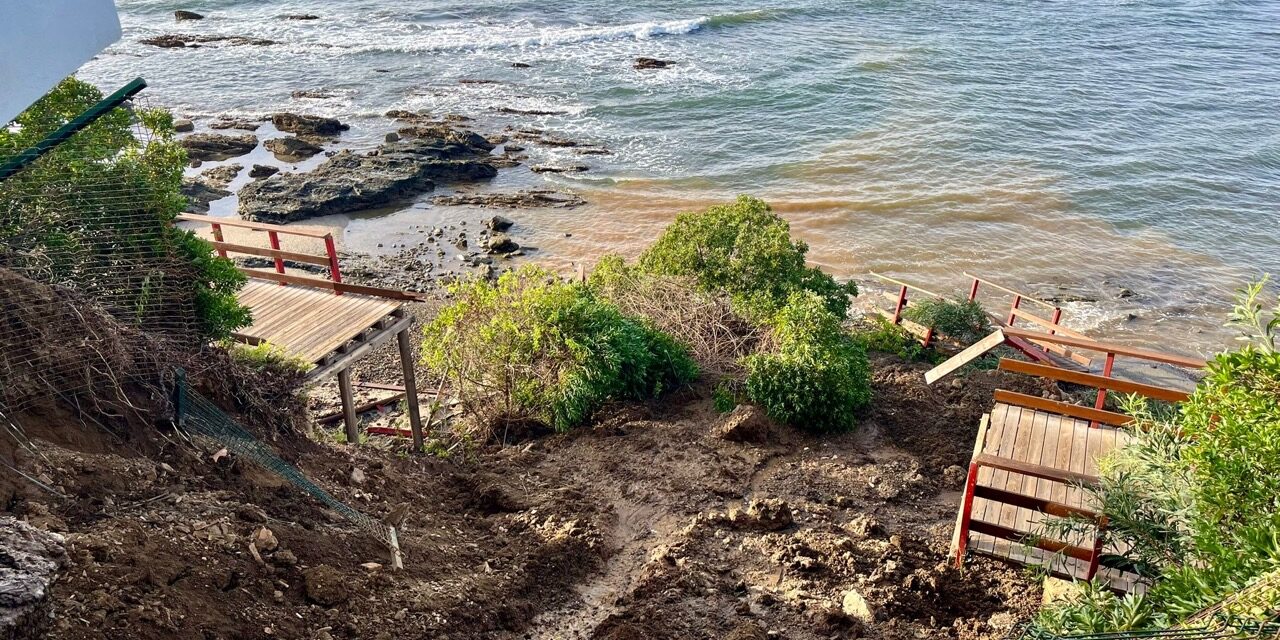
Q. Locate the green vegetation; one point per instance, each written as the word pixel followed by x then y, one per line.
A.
pixel 1197 496
pixel 817 376
pixel 744 250
pixel 264 357
pixel 95 213
pixel 532 348
pixel 782 326
pixel 881 336
pixel 962 320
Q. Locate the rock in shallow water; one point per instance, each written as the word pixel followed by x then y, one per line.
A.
pixel 291 149
pixel 353 182
pixel 187 15
pixel 308 125
pixel 215 146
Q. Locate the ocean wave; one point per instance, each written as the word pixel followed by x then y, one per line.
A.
pixel 450 40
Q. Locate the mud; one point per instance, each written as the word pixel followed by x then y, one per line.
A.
pixel 646 525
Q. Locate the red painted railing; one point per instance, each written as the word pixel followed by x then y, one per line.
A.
pixel 279 255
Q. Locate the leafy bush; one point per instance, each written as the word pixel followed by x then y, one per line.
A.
pixel 533 348
pixel 103 203
pixel 264 357
pixel 1196 497
pixel 959 319
pixel 744 250
pixel 881 336
pixel 817 376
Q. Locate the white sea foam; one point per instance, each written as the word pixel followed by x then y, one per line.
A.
pixel 520 36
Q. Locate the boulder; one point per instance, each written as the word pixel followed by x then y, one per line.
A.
pixel 651 63
pixel 308 125
pixel 216 146
pixel 199 194
pixel 351 181
pixel 260 171
pixel 182 125
pixel 325 586
pixel 501 243
pixel 392 137
pixel 291 149
pixel 499 223
pixel 186 15
pixel 520 65
pixel 449 134
pixel 30 560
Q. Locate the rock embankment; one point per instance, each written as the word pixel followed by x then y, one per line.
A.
pixel 30 560
pixel 352 181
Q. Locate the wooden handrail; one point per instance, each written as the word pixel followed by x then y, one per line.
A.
pixel 1009 291
pixel 341 287
pixel 1062 408
pixel 904 284
pixel 1013 535
pixel 257 226
pixel 1093 380
pixel 272 253
pixel 1033 503
pixel 1104 347
pixel 1035 470
pixel 1047 324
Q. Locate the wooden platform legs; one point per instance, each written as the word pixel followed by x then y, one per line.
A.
pixel 350 418
pixel 410 388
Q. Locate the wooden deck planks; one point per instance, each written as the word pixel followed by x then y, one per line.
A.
pixel 309 323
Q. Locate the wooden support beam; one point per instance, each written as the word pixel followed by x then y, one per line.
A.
pixel 292 230
pixel 348 407
pixel 344 360
pixel 411 388
pixel 342 287
pixel 1104 347
pixel 1035 470
pixel 1013 535
pixel 224 247
pixel 368 406
pixel 971 353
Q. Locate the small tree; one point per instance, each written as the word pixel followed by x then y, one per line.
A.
pixel 96 213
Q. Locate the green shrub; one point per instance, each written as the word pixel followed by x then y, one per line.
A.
pixel 1196 497
pixel 881 336
pixel 264 357
pixel 744 250
pixel 817 376
pixel 962 320
pixel 103 203
pixel 533 348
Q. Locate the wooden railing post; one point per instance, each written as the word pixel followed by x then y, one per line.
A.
pixel 1013 309
pixel 335 272
pixel 275 244
pixel 966 513
pixel 1102 393
pixel 902 303
pixel 1096 557
pixel 1057 319
pixel 217 235
pixel 973 290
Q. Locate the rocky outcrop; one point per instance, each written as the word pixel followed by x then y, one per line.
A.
pixel 316 94
pixel 263 171
pixel 551 168
pixel 186 15
pixel 303 125
pixel 30 560
pixel 216 146
pixel 449 134
pixel 532 199
pixel 291 149
pixel 221 176
pixel 192 41
pixel 228 123
pixel 200 193
pixel 651 63
pixel 351 181
pixel 529 112
pixel 300 16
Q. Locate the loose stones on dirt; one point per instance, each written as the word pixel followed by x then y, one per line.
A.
pixel 855 606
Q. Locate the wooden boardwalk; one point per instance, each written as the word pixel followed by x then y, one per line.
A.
pixel 306 322
pixel 1062 443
